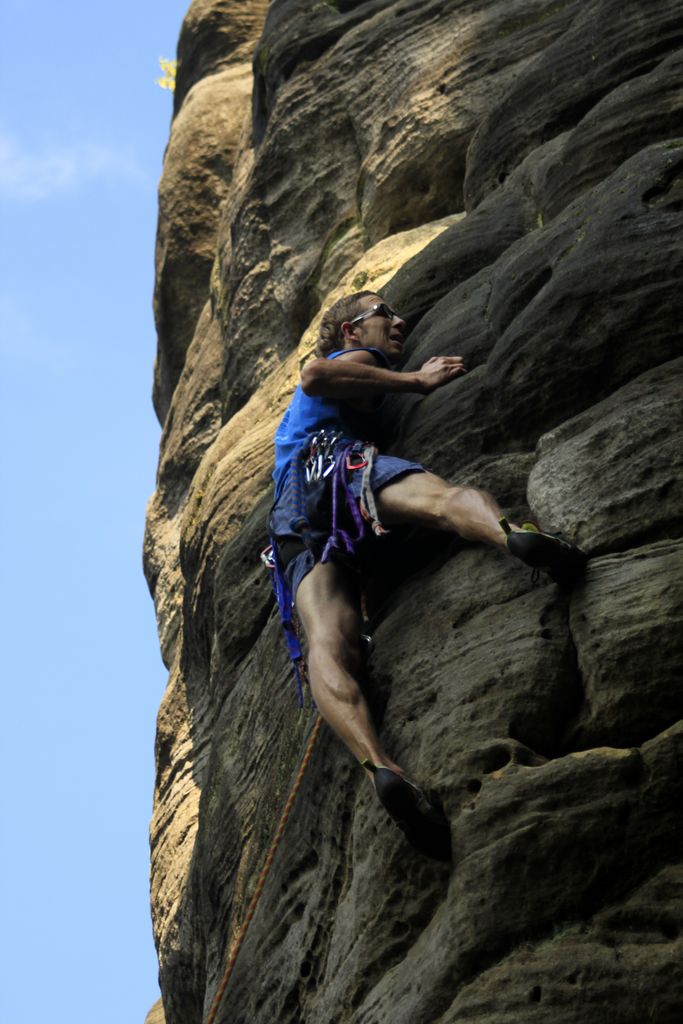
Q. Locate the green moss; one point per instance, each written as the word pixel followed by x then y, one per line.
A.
pixel 675 144
pixel 264 54
pixel 195 500
pixel 336 236
pixel 539 220
pixel 207 476
pixel 359 281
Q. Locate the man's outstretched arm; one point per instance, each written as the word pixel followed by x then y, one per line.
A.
pixel 357 375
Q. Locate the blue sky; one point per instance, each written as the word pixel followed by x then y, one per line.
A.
pixel 82 133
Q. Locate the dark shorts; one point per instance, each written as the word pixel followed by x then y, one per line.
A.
pixel 386 470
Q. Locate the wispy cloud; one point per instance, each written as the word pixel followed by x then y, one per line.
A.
pixel 33 176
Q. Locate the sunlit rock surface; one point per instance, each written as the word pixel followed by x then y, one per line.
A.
pixel 510 175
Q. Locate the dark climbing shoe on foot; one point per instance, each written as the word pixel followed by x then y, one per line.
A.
pixel 421 821
pixel 549 552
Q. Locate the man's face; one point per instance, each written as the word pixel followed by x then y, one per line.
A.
pixel 377 330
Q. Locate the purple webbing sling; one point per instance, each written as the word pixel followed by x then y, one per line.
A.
pixel 340 539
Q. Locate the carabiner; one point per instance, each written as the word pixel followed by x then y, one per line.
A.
pixel 356 460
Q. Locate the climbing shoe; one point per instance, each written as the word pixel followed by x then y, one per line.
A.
pixel 549 552
pixel 422 822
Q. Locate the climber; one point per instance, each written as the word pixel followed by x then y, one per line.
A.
pixel 323 462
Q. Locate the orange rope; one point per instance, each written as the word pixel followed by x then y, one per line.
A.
pixel 264 874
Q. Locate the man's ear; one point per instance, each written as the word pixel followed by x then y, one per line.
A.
pixel 348 332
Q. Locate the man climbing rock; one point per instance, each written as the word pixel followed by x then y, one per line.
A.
pixel 332 489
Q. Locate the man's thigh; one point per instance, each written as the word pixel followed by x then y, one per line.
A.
pixel 415 498
pixel 327 603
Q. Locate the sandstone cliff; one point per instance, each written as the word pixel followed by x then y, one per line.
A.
pixel 509 174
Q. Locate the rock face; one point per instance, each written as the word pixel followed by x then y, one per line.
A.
pixel 510 175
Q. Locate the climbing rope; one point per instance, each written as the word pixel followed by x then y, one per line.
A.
pixel 220 992
pixel 338 461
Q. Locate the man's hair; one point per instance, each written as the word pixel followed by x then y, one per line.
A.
pixel 330 336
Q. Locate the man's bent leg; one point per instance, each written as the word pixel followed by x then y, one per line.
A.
pixel 475 515
pixel 327 609
pixel 326 606
pixel 426 499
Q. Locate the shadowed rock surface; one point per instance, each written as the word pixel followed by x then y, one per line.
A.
pixel 511 176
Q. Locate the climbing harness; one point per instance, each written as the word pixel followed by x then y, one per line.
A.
pixel 318 490
pixel 260 884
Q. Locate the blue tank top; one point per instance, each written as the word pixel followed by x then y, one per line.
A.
pixel 306 414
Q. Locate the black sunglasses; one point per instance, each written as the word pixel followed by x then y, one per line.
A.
pixel 379 309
